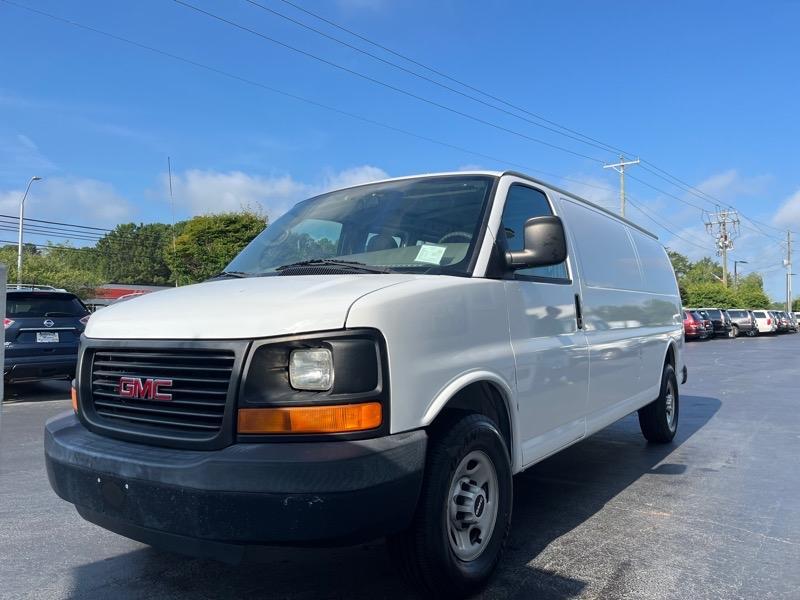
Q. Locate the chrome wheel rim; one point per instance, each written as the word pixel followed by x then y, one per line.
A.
pixel 669 406
pixel 472 505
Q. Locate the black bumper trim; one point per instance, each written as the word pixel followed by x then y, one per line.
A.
pixel 323 493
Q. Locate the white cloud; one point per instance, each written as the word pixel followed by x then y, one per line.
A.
pixel 729 185
pixel 353 176
pixel 206 191
pixel 70 199
pixel 788 214
pixel 20 154
pixel 593 189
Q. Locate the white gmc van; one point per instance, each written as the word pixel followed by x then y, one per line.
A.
pixel 380 361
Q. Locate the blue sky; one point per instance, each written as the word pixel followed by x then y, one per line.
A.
pixel 706 91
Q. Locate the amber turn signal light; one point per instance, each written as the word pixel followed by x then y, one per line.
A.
pixel 74 395
pixel 341 418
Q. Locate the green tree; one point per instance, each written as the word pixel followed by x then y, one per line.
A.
pixel 680 263
pixel 750 292
pixel 710 294
pixel 62 266
pixel 134 253
pixel 206 244
pixel 704 270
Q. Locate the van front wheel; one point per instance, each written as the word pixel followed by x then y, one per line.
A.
pixel 462 520
pixel 659 419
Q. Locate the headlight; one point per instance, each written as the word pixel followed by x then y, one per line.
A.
pixel 311 369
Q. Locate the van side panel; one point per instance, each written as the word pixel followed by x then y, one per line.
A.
pixel 627 326
pixel 663 308
pixel 608 271
pixel 440 332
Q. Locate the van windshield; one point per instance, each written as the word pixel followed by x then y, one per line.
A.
pixel 420 225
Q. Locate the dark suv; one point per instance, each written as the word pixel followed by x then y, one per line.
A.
pixel 742 321
pixel 43 329
pixel 720 320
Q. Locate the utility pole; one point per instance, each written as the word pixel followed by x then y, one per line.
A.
pixel 724 226
pixel 620 168
pixel 788 271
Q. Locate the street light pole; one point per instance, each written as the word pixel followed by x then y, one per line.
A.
pixel 21 219
pixel 735 272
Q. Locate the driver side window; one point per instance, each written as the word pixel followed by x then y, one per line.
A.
pixel 523 203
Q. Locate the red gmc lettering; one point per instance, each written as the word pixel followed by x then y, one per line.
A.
pixel 149 389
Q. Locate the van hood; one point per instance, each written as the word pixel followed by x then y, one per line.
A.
pixel 239 308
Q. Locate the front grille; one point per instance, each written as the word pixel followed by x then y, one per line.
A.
pixel 200 386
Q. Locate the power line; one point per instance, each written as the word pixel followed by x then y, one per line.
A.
pixel 320 105
pixel 705 196
pixel 332 23
pixel 578 137
pixel 383 83
pixel 660 224
pixel 654 169
pixel 296 97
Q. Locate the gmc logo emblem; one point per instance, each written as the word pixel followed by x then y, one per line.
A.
pixel 149 389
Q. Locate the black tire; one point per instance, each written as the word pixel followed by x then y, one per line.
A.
pixel 424 551
pixel 656 423
pixel 734 332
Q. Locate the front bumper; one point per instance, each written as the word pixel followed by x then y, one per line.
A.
pixel 224 503
pixel 33 368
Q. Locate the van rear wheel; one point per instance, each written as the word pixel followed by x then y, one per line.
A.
pixel 659 419
pixel 463 516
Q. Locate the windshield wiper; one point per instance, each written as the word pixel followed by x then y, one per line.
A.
pixel 235 274
pixel 332 262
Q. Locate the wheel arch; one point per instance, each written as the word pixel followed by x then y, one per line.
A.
pixel 671 355
pixel 479 392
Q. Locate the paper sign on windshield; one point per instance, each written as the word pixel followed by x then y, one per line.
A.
pixel 428 253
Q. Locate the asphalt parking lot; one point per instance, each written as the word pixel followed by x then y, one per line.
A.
pixel 715 515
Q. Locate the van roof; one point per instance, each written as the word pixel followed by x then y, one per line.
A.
pixel 515 174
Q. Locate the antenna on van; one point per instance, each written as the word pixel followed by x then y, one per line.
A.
pixel 172 207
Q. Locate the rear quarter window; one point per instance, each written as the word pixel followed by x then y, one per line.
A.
pixel 759 315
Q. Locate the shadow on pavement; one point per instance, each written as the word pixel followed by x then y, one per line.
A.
pixel 551 499
pixel 36 391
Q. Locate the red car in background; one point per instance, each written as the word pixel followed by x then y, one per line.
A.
pixel 695 327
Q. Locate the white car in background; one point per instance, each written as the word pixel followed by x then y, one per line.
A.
pixel 765 322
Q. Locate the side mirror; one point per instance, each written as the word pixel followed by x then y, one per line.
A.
pixel 545 244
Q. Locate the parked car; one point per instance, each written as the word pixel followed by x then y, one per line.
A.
pixel 42 329
pixel 793 325
pixel 742 321
pixel 765 322
pixel 694 326
pixel 430 337
pixel 787 321
pixel 781 321
pixel 720 321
